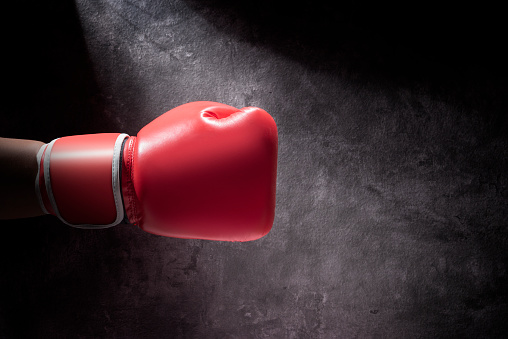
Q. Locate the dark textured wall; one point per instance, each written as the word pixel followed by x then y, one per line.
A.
pixel 391 217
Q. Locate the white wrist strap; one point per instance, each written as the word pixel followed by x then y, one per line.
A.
pixel 37 186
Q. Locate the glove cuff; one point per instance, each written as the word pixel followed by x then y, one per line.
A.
pixel 79 179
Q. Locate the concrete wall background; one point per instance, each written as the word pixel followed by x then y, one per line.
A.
pixel 391 217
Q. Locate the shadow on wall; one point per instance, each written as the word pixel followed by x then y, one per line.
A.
pixel 50 85
pixel 449 49
pixel 395 39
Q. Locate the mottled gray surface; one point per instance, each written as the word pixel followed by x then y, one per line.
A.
pixel 392 197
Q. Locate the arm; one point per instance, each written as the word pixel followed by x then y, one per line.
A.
pixel 18 169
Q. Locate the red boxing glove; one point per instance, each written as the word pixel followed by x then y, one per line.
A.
pixel 203 170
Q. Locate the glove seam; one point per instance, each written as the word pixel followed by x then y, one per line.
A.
pixel 132 192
